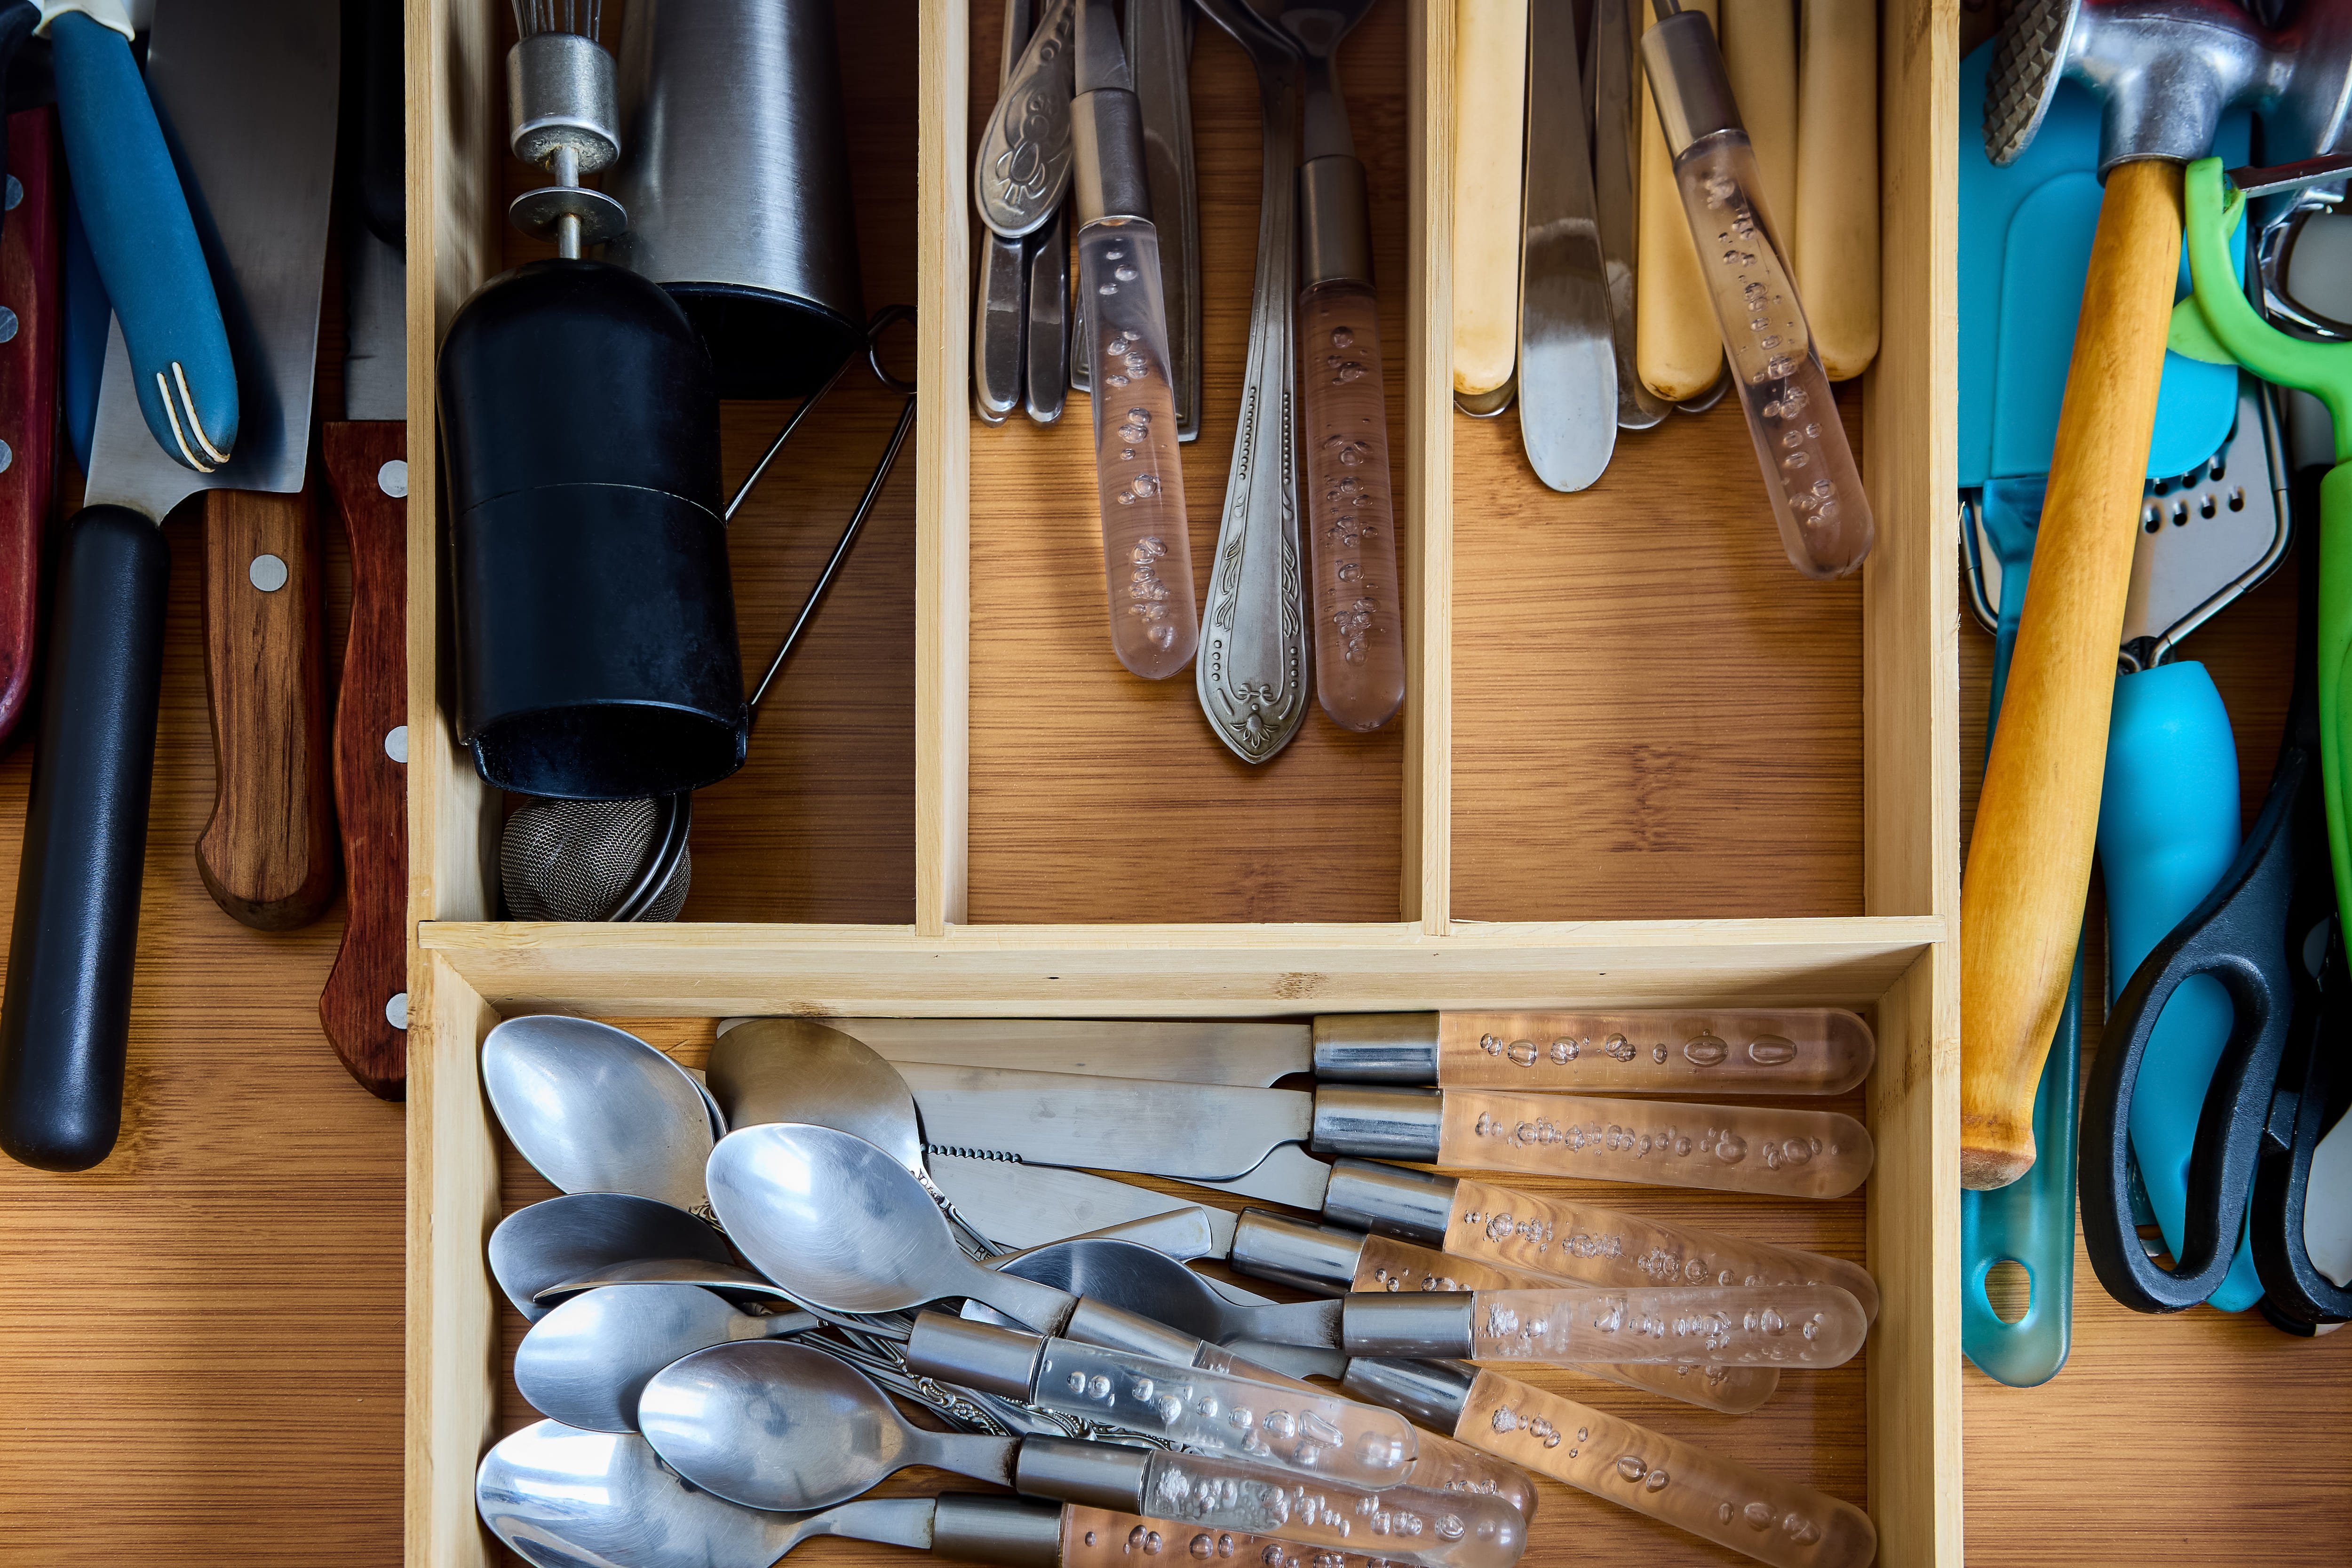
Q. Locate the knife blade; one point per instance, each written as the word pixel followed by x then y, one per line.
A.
pixel 1567 357
pixel 363 1007
pixel 1217 1134
pixel 267 854
pixel 1159 51
pixel 1021 1205
pixel 1244 1055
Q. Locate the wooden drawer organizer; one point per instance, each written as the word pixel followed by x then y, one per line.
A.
pixel 1641 762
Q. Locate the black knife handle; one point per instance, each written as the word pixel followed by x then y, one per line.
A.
pixel 66 1013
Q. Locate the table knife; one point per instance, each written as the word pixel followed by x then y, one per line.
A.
pixel 363 1007
pixel 1216 1134
pixel 1567 354
pixel 268 855
pixel 1810 1050
pixel 252 104
pixel 30 244
pixel 1002 295
pixel 1021 1205
pixel 1159 52
pixel 1613 98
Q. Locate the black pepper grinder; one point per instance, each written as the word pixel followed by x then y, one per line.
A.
pixel 595 624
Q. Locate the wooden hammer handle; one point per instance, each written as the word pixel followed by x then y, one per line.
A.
pixel 2038 815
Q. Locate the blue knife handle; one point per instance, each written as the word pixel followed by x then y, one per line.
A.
pixel 81 356
pixel 2168 833
pixel 145 244
pixel 65 1017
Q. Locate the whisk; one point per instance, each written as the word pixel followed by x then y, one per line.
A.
pixel 628 859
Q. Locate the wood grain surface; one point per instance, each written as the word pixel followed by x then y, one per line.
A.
pixel 1096 796
pixel 269 854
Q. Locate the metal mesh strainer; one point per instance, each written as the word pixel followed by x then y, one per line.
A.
pixel 627 859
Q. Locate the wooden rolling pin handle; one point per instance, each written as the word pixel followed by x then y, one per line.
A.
pixel 2037 817
pixel 366 992
pixel 267 856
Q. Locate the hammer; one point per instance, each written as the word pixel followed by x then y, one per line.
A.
pixel 2167 70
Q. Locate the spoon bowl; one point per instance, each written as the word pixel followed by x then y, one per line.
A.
pixel 775 1425
pixel 564 1498
pixel 596 1110
pixel 574 1236
pixel 586 1363
pixel 731 1281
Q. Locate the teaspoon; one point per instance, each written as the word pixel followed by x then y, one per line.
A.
pixel 560 1239
pixel 596 1110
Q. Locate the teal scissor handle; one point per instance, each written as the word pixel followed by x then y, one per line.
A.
pixel 2214 211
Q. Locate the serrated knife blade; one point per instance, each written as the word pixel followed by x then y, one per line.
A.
pixel 1188 1130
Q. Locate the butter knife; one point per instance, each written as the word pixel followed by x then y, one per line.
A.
pixel 1567 354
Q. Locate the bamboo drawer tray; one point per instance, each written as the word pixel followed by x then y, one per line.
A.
pixel 1641 762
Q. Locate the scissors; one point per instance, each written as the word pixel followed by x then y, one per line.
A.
pixel 2283 1073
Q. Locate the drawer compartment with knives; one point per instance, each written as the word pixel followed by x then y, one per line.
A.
pixel 1638 764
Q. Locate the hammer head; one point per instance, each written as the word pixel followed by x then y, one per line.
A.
pixel 2165 71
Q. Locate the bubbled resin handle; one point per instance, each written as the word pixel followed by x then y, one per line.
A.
pixel 1098 1538
pixel 1809 471
pixel 1215 1412
pixel 1591 1245
pixel 1807 1050
pixel 1813 1326
pixel 1723 1148
pixel 1716 1498
pixel 1343 406
pixel 1398 1524
pixel 1155 623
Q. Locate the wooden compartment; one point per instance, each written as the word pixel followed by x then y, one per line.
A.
pixel 1060 865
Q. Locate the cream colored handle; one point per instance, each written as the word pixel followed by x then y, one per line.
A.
pixel 2038 815
pixel 1676 345
pixel 1834 246
pixel 1715 1498
pixel 1759 55
pixel 1490 75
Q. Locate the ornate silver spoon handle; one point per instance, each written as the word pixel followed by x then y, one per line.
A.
pixel 1021 166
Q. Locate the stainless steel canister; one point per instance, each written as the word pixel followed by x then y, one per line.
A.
pixel 734 168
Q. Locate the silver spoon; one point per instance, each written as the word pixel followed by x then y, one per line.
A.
pixel 846 1227
pixel 596 1110
pixel 730 1280
pixel 793 1069
pixel 777 1426
pixel 586 1363
pixel 573 1236
pixel 566 1499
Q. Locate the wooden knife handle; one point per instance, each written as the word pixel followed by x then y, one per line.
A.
pixel 1714 1498
pixel 267 854
pixel 1677 346
pixel 1390 1265
pixel 1490 81
pixel 2038 815
pixel 29 249
pixel 1793 1050
pixel 1834 246
pixel 1759 55
pixel 1663 1143
pixel 364 1006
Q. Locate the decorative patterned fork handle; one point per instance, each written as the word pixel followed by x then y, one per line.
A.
pixel 1252 668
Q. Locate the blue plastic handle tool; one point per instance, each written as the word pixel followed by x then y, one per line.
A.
pixel 2031 1222
pixel 144 240
pixel 2167 832
pixel 81 357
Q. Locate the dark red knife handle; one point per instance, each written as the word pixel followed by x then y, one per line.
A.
pixel 30 243
pixel 365 1006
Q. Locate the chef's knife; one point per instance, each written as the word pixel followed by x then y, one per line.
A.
pixel 267 856
pixel 251 100
pixel 1567 357
pixel 30 248
pixel 142 222
pixel 365 1006
pixel 1207 1133
pixel 1739 1051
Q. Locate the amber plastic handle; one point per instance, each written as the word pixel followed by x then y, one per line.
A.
pixel 1675 344
pixel 1097 1537
pixel 1344 419
pixel 2038 815
pixel 1807 1050
pixel 1804 1326
pixel 1559 1238
pixel 1389 1265
pixel 1490 71
pixel 267 854
pixel 1833 233
pixel 1666 1144
pixel 364 1005
pixel 1715 1498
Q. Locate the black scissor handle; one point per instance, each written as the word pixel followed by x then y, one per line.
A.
pixel 2294 1289
pixel 2238 937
